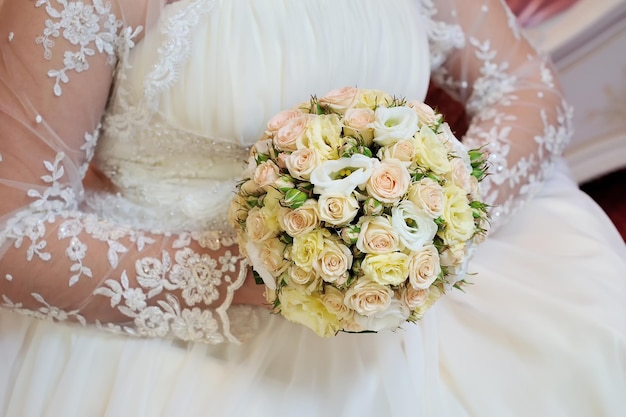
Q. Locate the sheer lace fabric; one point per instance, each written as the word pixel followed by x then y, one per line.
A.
pixel 148 253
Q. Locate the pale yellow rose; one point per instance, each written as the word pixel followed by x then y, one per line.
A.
pixel 413 297
pixel 372 99
pixel 333 299
pixel 377 236
pixel 389 181
pixel 302 162
pixel 306 248
pixel 266 173
pixel 302 220
pixel 425 113
pixel 306 281
pixel 428 195
pixel 323 135
pixel 434 294
pixel 367 297
pixel 431 153
pixel 272 256
pixel 358 123
pixel 281 119
pixel 458 215
pixel 386 269
pixel 308 310
pixel 424 267
pixel 403 150
pixel 337 209
pixel 286 137
pixel 258 226
pixel 333 262
pixel 340 99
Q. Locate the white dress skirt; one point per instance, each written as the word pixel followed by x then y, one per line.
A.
pixel 540 332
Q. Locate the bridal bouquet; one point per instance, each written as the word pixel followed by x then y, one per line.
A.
pixel 358 211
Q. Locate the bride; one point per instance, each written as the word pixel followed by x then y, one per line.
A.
pixel 124 294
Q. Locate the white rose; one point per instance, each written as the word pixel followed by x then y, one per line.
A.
pixel 387 268
pixel 415 228
pixel 337 209
pixel 286 137
pixel 340 99
pixel 425 113
pixel 302 162
pixel 431 153
pixel 302 220
pixel 266 173
pixel 389 319
pixel 333 262
pixel 424 267
pixel 358 123
pixel 393 124
pixel 389 181
pixel 377 236
pixel 367 297
pixel 343 175
pixel 428 195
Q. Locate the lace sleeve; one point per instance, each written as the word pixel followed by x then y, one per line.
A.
pixel 510 92
pixel 58 261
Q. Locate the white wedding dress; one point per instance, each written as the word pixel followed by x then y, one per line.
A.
pixel 540 332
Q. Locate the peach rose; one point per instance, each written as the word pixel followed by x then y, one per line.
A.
pixel 377 236
pixel 403 150
pixel 281 119
pixel 340 99
pixel 425 113
pixel 302 162
pixel 414 298
pixel 286 137
pixel 358 123
pixel 333 262
pixel 266 173
pixel 428 195
pixel 302 220
pixel 337 209
pixel 333 300
pixel 389 181
pixel 367 297
pixel 258 228
pixel 424 267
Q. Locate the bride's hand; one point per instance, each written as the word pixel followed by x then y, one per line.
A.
pixel 250 292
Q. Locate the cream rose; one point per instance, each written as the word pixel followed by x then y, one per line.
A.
pixel 303 280
pixel 427 195
pixel 266 173
pixel 333 300
pixel 425 113
pixel 343 175
pixel 281 119
pixel 259 226
pixel 367 297
pixel 358 123
pixel 286 137
pixel 413 297
pixel 403 150
pixel 272 256
pixel 389 181
pixel 377 236
pixel 333 262
pixel 300 221
pixel 431 153
pixel 237 211
pixel 306 248
pixel 372 99
pixel 337 209
pixel 414 227
pixel 302 162
pixel 458 215
pixel 389 319
pixel 392 124
pixel 308 310
pixel 424 267
pixel 459 175
pixel 322 134
pixel 340 99
pixel 387 268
